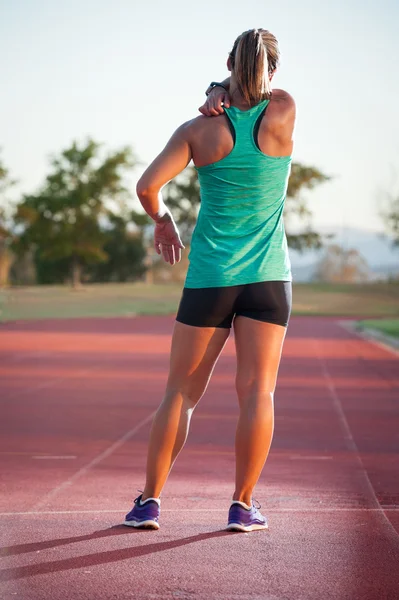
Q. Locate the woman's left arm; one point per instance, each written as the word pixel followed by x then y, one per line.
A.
pixel 170 162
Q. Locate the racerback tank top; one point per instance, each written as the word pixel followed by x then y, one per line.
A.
pixel 239 237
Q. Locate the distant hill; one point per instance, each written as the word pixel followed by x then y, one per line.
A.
pixel 376 248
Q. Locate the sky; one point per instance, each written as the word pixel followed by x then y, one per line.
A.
pixel 129 73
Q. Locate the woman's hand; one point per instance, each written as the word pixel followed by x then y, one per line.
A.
pixel 214 103
pixel 167 239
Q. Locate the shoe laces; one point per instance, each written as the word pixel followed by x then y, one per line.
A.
pixel 256 504
pixel 138 497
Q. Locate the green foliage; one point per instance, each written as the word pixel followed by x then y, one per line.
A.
pixel 125 251
pixel 5 184
pixel 182 197
pixel 6 233
pixel 64 220
pixel 307 239
pixel 302 178
pixel 51 270
pixel 391 217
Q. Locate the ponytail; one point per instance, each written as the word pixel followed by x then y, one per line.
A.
pixel 254 56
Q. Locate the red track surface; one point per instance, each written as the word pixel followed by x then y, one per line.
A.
pixel 77 397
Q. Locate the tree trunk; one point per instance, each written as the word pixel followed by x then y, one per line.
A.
pixel 76 274
pixel 6 260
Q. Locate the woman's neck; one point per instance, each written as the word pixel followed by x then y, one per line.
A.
pixel 236 98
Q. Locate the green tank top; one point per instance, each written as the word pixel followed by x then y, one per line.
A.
pixel 239 236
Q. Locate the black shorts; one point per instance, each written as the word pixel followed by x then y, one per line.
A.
pixel 268 301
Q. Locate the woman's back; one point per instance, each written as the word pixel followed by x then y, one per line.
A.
pixel 211 138
pixel 239 237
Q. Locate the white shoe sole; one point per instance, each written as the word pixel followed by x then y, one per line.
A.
pixel 243 528
pixel 142 524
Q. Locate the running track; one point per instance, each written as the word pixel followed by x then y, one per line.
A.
pixel 77 398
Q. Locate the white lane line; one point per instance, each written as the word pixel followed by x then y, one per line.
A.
pixel 350 442
pixel 92 463
pixel 42 513
pixel 43 457
pixel 299 457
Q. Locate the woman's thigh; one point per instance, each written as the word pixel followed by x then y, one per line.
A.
pixel 194 353
pixel 258 346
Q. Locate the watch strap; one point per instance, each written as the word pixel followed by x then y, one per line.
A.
pixel 214 84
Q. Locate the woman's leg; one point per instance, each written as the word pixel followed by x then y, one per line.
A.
pixel 259 346
pixel 194 353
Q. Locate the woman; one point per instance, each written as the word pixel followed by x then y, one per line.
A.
pixel 239 269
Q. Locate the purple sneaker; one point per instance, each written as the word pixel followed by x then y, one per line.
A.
pixel 144 514
pixel 245 518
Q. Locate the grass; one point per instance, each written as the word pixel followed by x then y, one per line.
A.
pixel 127 299
pixel 351 300
pixel 388 326
pixel 95 300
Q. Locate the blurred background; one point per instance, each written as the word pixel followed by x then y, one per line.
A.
pixel 93 90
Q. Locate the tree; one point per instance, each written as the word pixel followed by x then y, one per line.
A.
pixel 6 234
pixel 65 220
pixel 390 215
pixel 125 250
pixel 342 266
pixel 302 178
pixel 182 196
pixel 123 245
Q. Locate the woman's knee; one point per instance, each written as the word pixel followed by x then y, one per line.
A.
pixel 252 389
pixel 256 398
pixel 189 395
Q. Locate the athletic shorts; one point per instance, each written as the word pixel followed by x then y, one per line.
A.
pixel 267 301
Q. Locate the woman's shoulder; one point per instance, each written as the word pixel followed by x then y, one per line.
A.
pixel 194 127
pixel 282 105
pixel 282 101
pixel 282 96
pixel 188 128
pixel 201 121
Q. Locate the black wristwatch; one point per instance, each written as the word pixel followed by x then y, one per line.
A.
pixel 214 84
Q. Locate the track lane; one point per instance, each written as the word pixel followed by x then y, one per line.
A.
pixel 329 487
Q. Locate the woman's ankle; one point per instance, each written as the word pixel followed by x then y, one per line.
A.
pixel 245 497
pixel 149 494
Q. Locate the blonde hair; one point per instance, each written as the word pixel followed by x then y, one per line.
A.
pixel 255 55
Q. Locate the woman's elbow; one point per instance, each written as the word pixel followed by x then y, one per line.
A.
pixel 141 189
pixel 144 189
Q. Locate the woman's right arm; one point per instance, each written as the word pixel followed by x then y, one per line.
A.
pixel 170 162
